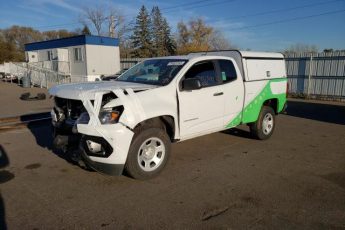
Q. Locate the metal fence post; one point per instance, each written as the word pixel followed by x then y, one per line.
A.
pixel 41 79
pixel 45 75
pixel 310 72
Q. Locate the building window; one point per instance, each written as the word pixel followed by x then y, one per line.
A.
pixel 78 54
pixel 50 55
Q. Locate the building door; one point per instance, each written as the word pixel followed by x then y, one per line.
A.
pixel 63 60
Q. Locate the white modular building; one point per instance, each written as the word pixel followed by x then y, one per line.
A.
pixel 83 57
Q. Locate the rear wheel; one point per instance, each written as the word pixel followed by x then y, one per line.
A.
pixel 263 128
pixel 148 153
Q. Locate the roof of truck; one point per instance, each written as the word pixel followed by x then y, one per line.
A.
pixel 237 55
pixel 253 54
pixel 243 54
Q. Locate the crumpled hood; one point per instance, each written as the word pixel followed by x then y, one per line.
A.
pixel 75 90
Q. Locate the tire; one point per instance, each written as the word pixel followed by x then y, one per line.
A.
pixel 148 153
pixel 263 128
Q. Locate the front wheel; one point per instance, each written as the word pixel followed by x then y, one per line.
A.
pixel 148 153
pixel 263 128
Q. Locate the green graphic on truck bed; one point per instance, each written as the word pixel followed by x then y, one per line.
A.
pixel 251 111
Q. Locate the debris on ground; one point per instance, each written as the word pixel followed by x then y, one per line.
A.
pixel 213 213
pixel 26 97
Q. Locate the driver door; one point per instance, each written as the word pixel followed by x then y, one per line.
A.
pixel 201 110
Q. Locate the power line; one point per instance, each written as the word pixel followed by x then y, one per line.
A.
pixel 185 4
pixel 283 10
pixel 178 6
pixel 289 20
pixel 189 4
pixel 209 4
pixel 58 25
pixel 250 15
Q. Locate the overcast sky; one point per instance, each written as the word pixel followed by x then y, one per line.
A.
pixel 255 24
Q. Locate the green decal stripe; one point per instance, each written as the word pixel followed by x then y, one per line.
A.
pixel 252 110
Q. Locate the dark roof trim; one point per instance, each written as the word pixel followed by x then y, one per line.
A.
pixel 263 58
pixel 72 41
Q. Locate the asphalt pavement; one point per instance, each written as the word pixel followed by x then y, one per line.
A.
pixel 226 180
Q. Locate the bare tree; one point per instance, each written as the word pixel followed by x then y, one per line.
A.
pixel 219 42
pixel 116 23
pixel 94 16
pixel 105 20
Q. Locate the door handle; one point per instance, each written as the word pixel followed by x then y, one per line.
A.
pixel 218 94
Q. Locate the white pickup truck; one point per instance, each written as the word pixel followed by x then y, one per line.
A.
pixel 129 124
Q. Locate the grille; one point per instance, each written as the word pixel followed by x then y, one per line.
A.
pixel 71 108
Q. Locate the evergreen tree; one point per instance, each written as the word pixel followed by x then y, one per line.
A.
pixel 86 30
pixel 163 44
pixel 141 38
pixel 169 42
pixel 157 32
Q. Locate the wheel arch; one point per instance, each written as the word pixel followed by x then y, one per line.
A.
pixel 166 122
pixel 273 103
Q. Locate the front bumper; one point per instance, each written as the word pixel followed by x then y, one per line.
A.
pixel 117 136
pixel 112 156
pixel 115 141
pixel 105 168
pixel 111 139
pixel 77 149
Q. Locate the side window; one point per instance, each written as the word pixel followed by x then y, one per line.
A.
pixel 77 54
pixel 205 72
pixel 227 71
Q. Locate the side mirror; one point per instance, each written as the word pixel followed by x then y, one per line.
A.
pixel 191 84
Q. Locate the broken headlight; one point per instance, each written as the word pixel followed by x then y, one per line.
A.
pixel 110 116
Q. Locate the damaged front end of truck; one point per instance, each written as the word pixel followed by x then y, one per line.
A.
pixel 94 126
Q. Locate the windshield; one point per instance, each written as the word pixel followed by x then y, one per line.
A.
pixel 154 72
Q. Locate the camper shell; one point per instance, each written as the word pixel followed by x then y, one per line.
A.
pixel 253 65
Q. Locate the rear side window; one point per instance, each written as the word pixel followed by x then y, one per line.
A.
pixel 205 72
pixel 227 71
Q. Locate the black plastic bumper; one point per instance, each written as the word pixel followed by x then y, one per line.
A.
pixel 73 143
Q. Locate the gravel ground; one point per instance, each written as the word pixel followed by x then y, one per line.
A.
pixel 11 105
